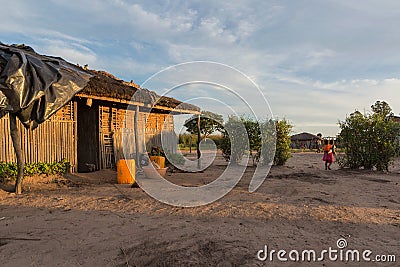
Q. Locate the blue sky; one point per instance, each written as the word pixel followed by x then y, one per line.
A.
pixel 315 61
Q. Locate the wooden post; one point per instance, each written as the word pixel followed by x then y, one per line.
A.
pixel 198 142
pixel 137 156
pixel 190 144
pixel 16 139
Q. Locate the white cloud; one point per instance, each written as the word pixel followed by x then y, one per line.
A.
pixel 71 52
pixel 215 29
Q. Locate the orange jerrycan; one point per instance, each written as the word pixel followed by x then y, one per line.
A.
pixel 159 160
pixel 126 170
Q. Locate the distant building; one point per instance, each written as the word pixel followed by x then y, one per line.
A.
pixel 395 118
pixel 305 140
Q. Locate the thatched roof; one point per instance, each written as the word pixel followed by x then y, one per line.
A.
pixel 104 84
pixel 304 137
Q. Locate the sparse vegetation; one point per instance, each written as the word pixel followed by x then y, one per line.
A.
pixel 9 171
pixel 187 140
pixel 370 140
pixel 256 138
pixel 282 153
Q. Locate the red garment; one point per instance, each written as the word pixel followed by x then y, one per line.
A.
pixel 328 157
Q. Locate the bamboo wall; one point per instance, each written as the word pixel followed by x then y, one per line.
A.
pixel 157 124
pixel 52 140
pixel 117 133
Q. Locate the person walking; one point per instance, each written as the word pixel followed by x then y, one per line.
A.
pixel 319 142
pixel 328 149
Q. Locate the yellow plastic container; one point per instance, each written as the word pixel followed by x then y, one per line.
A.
pixel 126 170
pixel 159 160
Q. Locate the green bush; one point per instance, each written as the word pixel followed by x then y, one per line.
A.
pixel 369 140
pixel 216 138
pixel 187 140
pixel 282 153
pixel 233 145
pixel 258 133
pixel 8 171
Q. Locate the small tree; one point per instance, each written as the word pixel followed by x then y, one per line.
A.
pixel 282 153
pixel 233 144
pixel 258 133
pixel 255 139
pixel 186 140
pixel 370 140
pixel 209 123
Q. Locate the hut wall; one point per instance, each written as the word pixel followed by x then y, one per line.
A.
pixel 117 133
pixel 304 144
pixel 106 115
pixel 113 122
pixel 52 140
pixel 159 131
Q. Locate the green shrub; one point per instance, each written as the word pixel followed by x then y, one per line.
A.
pixel 225 146
pixel 266 132
pixel 8 171
pixel 217 139
pixel 233 145
pixel 186 140
pixel 369 140
pixel 282 153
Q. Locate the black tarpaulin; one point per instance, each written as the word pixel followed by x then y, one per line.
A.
pixel 35 86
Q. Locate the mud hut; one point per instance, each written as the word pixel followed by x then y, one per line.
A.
pixel 88 131
pixel 395 118
pixel 305 140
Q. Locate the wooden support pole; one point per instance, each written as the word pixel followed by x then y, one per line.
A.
pixel 190 144
pixel 136 128
pixel 16 139
pixel 198 142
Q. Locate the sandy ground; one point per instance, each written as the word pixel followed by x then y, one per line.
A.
pixel 88 220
